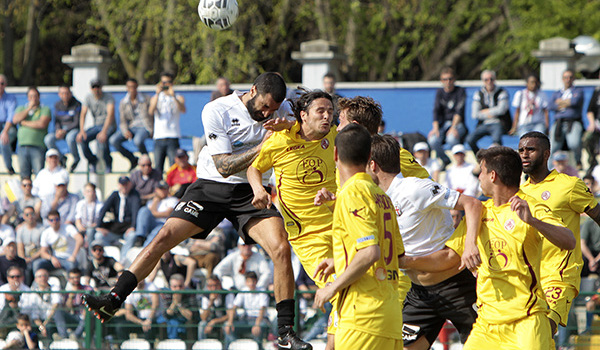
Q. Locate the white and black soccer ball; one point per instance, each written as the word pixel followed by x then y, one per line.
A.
pixel 218 14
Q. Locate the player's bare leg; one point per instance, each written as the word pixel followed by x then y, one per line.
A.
pixel 173 232
pixel 419 344
pixel 269 233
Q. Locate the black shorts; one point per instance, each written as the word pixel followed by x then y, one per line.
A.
pixel 206 203
pixel 426 309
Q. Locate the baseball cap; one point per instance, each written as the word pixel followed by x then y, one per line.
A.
pixel 124 180
pixel 52 152
pixel 420 146
pixel 61 180
pixel 95 82
pixel 163 185
pixel 560 156
pixel 180 153
pixel 458 149
pixel 96 243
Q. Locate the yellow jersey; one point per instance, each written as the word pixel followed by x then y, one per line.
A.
pixel 410 167
pixel 508 287
pixel 301 169
pixel 365 216
pixel 567 197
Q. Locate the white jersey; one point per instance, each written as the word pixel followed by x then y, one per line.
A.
pixel 422 210
pixel 229 128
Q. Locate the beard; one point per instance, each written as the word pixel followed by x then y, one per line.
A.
pixel 533 165
pixel 254 114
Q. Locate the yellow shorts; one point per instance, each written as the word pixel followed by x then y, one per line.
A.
pixel 346 339
pixel 531 333
pixel 311 249
pixel 560 298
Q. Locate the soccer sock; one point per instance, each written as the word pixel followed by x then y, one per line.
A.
pixel 124 286
pixel 286 311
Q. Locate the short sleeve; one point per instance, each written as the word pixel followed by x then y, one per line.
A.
pixel 457 241
pixel 217 140
pixel 427 193
pixel 359 219
pixel 581 197
pixel 516 102
pixel 264 161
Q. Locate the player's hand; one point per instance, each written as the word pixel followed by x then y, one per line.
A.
pixel 521 207
pixel 324 270
pixel 322 296
pixel 471 259
pixel 278 124
pixel 323 196
pixel 262 200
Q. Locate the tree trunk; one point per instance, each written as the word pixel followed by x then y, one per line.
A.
pixel 145 53
pixel 169 47
pixel 350 40
pixel 8 41
pixel 31 41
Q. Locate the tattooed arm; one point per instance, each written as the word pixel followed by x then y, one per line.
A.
pixel 228 164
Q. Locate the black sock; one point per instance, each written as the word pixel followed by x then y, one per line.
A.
pixel 124 286
pixel 286 312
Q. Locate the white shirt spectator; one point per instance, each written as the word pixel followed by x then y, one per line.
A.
pixel 62 243
pixel 87 212
pixel 231 266
pixel 166 118
pixel 251 303
pixel 43 185
pixel 7 235
pixel 163 205
pixel 532 105
pixel 26 302
pixel 460 178
pixel 142 302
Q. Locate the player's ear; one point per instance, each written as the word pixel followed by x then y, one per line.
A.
pixel 253 91
pixel 303 115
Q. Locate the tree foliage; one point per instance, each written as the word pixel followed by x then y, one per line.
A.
pixel 384 40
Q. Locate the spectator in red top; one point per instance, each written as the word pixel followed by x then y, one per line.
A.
pixel 181 174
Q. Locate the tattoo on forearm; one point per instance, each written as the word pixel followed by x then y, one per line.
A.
pixel 229 164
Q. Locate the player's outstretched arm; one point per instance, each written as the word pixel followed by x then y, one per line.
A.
pixel 471 258
pixel 441 260
pixel 228 164
pixel 262 199
pixel 362 261
pixel 560 236
pixel 278 124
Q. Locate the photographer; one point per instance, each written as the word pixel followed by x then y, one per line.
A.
pixel 166 107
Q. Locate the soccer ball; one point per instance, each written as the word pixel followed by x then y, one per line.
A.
pixel 218 14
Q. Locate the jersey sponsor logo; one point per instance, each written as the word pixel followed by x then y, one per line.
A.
pixel 410 332
pixel 212 136
pixel 355 212
pixel 435 189
pixel 179 206
pixel 498 254
pixel 365 239
pixel 293 148
pixel 382 274
pixel 235 122
pixel 325 144
pixel 192 208
pixel 509 225
pixel 311 171
pixel 546 195
pixel 398 210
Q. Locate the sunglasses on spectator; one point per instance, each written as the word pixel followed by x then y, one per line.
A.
pixel 54 220
pixel 14 276
pixel 97 249
pixel 26 185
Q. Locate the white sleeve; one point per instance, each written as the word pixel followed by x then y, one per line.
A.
pixel 229 300
pixel 285 110
pixel 543 100
pixel 239 300
pixel 264 300
pixel 44 238
pixel 217 140
pixel 516 102
pixel 428 194
pixel 79 208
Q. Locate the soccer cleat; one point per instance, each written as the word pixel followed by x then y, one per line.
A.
pixel 291 341
pixel 101 306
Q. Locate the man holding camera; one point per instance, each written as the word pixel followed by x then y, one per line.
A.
pixel 166 107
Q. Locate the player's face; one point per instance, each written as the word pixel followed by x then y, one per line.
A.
pixel 343 116
pixel 318 118
pixel 485 180
pixel 532 155
pixel 261 107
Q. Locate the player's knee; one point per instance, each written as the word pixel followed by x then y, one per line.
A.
pixel 281 253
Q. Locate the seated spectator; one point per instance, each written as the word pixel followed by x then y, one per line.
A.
pixel 459 177
pixel 24 337
pixel 237 263
pixel 14 214
pixel 145 179
pixel 12 304
pixel 213 310
pixel 152 217
pixel 124 204
pixel 254 308
pixel 531 109
pixel 45 180
pixel 10 258
pixel 47 303
pixel 60 244
pixel 32 119
pixel 87 212
pixel 180 309
pixel 66 124
pixel 102 109
pixel 433 166
pixel 590 182
pixel 457 216
pixel 223 88
pixel 7 234
pixel 142 308
pixel 448 125
pixel 172 264
pixel 62 201
pixel 560 162
pixel 490 109
pixel 181 174
pixel 134 124
pixel 29 235
pixel 71 314
pixel 103 270
pixel 208 252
